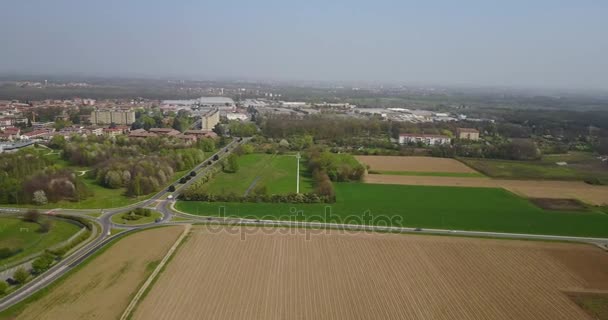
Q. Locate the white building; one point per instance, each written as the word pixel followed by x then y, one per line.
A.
pixel 427 139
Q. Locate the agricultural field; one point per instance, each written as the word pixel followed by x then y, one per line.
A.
pixel 480 209
pixel 594 195
pixel 276 274
pixel 103 287
pixel 580 166
pixel 417 166
pixel 276 172
pixel 27 239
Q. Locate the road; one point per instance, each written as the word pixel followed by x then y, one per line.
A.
pixel 160 203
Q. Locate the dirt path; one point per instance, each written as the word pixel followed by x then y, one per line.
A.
pixel 252 185
pixel 596 195
pixel 154 274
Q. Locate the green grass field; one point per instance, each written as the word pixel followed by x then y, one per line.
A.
pixel 276 172
pixel 16 233
pixel 431 174
pixel 144 220
pixel 482 209
pixel 580 166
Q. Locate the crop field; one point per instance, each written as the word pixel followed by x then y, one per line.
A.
pixel 417 166
pixel 16 234
pixel 276 172
pixel 102 288
pixel 481 209
pixel 270 274
pixel 580 166
pixel 595 195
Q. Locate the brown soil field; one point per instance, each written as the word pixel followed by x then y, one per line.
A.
pixel 274 275
pixel 415 164
pixel 103 288
pixel 596 195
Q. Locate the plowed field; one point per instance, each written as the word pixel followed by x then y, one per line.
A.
pixel 103 288
pixel 371 276
pixel 414 164
pixel 597 195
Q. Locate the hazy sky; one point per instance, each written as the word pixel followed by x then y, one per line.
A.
pixel 550 43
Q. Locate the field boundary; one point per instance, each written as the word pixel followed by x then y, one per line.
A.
pixel 155 273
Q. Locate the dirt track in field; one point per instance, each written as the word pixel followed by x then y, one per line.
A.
pixel 596 195
pixel 414 164
pixel 371 276
pixel 102 289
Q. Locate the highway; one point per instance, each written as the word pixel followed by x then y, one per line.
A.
pixel 159 201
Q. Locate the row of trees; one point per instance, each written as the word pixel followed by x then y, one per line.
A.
pixel 197 194
pixel 516 149
pixel 338 167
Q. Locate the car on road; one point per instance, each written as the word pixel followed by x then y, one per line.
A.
pixel 418 229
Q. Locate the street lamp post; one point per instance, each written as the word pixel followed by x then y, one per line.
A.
pixel 298 174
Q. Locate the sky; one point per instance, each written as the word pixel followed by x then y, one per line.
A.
pixel 538 43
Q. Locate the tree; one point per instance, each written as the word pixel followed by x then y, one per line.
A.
pixel 171 188
pixel 57 142
pixel 21 275
pixel 219 129
pixel 43 263
pixel 31 216
pixel 192 173
pixel 40 197
pixel 46 226
pixel 231 164
pixel 3 287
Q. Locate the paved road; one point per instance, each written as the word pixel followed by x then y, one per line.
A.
pixel 165 206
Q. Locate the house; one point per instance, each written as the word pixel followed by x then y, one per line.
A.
pixel 201 134
pixel 141 133
pixel 467 134
pixel 427 139
pixel 96 131
pixel 112 132
pixel 38 134
pixel 12 130
pixel 164 131
pixel 187 137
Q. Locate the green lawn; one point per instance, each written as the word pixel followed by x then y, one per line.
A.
pixel 16 233
pixel 580 167
pixel 482 209
pixel 276 172
pixel 431 174
pixel 117 218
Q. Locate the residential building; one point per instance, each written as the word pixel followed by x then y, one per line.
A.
pixel 201 134
pixel 112 132
pixel 141 133
pixel 38 134
pixel 187 138
pixel 117 116
pixel 210 119
pixel 468 134
pixel 427 139
pixel 164 131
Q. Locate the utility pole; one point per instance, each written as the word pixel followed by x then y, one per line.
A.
pixel 298 174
